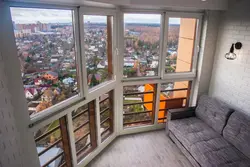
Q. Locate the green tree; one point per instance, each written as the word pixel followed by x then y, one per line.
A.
pixel 93 81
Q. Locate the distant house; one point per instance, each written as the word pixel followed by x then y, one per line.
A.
pixel 154 64
pixel 52 76
pixel 101 64
pixel 150 73
pixel 30 93
pixel 38 81
pixel 55 56
pixel 53 60
pixel 68 81
pixel 129 62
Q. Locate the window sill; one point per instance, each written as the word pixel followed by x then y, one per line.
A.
pixel 140 78
pixel 180 75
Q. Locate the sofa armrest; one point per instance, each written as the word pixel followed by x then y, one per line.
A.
pixel 181 113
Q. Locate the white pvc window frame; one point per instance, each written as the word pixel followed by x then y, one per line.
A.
pixel 66 107
pixel 121 39
pixel 156 125
pixel 102 12
pixel 193 71
pixel 79 62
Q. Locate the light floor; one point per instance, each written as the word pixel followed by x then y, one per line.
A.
pixel 150 149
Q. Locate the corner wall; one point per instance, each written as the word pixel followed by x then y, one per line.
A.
pixel 10 154
pixel 17 146
pixel 231 78
pixel 206 56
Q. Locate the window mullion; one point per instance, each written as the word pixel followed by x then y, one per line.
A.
pixel 165 44
pixel 83 58
pixel 78 52
pixel 120 37
pixel 162 50
pixel 157 102
pixel 98 120
pixel 197 43
pixel 72 138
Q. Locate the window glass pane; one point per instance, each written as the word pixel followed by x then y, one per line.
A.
pixel 98 48
pixel 173 95
pixel 138 105
pixel 181 39
pixel 46 51
pixel 141 45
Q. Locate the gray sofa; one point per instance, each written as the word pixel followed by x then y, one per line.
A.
pixel 211 134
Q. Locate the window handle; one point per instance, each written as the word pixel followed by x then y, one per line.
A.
pixel 198 49
pixel 116 51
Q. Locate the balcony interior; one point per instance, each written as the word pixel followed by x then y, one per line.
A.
pixel 124 83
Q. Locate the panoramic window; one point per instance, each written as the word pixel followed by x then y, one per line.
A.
pixel 141 45
pixel 46 51
pixel 180 49
pixel 98 48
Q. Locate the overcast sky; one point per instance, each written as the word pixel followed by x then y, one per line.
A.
pixel 32 15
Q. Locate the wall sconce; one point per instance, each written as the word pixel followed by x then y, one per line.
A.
pixel 231 55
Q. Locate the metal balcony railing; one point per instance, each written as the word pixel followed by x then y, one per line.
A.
pixel 52 143
pixel 84 130
pixel 138 107
pixel 106 115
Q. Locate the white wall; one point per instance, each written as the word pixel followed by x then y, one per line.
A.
pixel 231 79
pixel 10 154
pixel 206 56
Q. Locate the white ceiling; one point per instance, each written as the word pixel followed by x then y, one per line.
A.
pixel 178 4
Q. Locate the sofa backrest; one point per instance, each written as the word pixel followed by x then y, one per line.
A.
pixel 213 112
pixel 237 132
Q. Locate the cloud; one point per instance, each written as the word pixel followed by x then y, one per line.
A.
pixel 32 15
pixel 142 18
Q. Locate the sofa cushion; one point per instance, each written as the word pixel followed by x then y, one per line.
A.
pixel 191 130
pixel 217 152
pixel 237 132
pixel 213 112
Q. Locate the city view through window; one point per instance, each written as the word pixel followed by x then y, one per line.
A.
pixel 46 51
pixel 181 38
pixel 141 44
pixel 98 48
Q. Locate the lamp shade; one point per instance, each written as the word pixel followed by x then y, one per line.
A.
pixel 231 55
